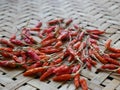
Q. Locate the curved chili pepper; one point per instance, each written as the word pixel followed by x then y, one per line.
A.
pixel 107 45
pixel 100 58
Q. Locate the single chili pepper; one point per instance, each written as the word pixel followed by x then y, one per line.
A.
pixel 48 73
pixel 83 84
pixel 107 45
pixel 39 25
pixel 60 68
pixel 95 46
pixel 52 50
pixel 53 22
pixel 94 63
pixel 40 34
pixel 81 35
pixel 48 42
pixel 33 55
pixel 94 36
pixel 77 45
pixel 35 29
pixel 76 26
pixel 114 55
pixel 68 22
pixel 33 71
pixel 96 32
pixel 6 49
pixel 110 60
pixel 70 58
pixel 48 37
pixel 3 41
pixel 76 81
pixel 63 35
pixel 76 68
pixel 32 40
pixel 109 66
pixel 89 66
pixel 17 42
pixel 73 33
pixel 6 63
pixel 35 65
pixel 100 58
pixel 64 77
pixel 49 30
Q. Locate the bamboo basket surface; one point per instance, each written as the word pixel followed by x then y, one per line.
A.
pixel 90 14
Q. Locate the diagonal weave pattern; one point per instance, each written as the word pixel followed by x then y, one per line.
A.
pixel 90 14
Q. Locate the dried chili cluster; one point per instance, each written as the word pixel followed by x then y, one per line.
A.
pixel 64 50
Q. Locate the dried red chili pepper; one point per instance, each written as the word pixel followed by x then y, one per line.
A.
pixel 68 22
pixel 109 66
pixel 6 49
pixel 63 35
pixel 7 63
pixel 94 36
pixel 3 41
pixel 33 71
pixel 81 36
pixel 39 25
pixel 33 55
pixel 76 81
pixel 48 73
pixel 77 45
pixel 114 55
pixel 64 77
pixel 110 60
pixel 83 84
pixel 100 58
pixel 96 32
pixel 107 45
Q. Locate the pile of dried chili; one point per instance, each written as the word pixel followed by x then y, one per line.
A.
pixel 64 50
